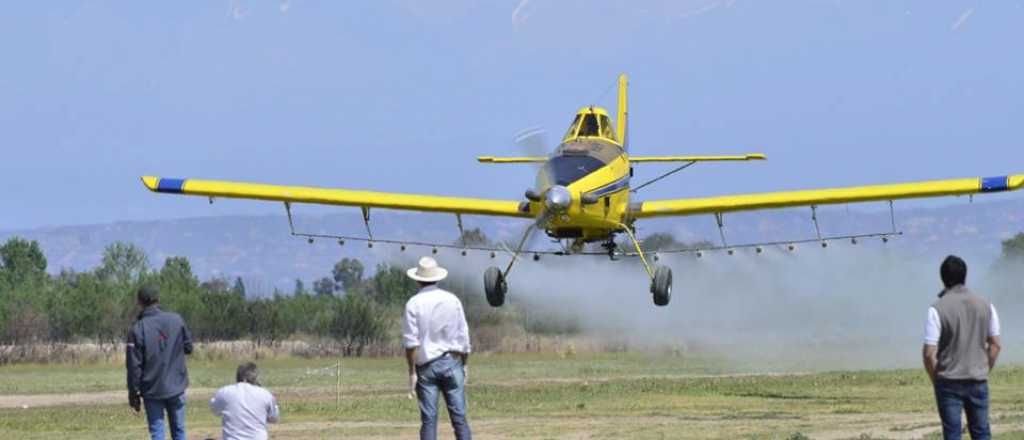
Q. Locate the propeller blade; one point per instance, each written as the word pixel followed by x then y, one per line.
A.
pixel 533 141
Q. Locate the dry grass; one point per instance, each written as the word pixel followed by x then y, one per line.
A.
pixel 89 353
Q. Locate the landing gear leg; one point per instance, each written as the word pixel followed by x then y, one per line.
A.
pixel 495 284
pixel 611 247
pixel 661 276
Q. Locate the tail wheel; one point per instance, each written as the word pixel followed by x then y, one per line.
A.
pixel 661 286
pixel 495 286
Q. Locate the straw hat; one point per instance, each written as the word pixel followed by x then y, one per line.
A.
pixel 427 271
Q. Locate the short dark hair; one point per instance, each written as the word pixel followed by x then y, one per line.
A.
pixel 248 373
pixel 953 271
pixel 148 295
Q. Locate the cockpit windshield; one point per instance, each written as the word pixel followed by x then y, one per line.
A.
pixel 591 123
pixel 606 128
pixel 589 126
pixel 572 128
pixel 564 170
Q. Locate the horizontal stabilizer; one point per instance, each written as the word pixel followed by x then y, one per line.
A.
pixel 524 159
pixel 741 157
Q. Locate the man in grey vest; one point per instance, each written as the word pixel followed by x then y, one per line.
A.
pixel 961 344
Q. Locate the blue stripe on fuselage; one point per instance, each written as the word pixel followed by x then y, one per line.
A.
pixel 173 186
pixel 612 187
pixel 995 184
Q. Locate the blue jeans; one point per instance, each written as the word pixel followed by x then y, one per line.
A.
pixel 175 409
pixel 952 396
pixel 443 375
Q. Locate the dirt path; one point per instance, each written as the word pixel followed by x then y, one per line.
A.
pixel 907 426
pixel 97 398
pixel 119 396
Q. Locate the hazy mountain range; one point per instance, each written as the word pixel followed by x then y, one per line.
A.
pixel 260 249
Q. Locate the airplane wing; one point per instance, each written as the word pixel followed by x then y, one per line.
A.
pixel 750 202
pixel 328 196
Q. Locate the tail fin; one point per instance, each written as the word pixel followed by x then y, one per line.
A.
pixel 622 122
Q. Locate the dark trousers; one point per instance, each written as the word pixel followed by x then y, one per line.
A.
pixel 968 396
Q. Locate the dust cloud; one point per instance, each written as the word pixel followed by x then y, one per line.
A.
pixel 845 307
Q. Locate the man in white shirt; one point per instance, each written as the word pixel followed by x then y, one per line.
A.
pixel 245 407
pixel 436 340
pixel 961 345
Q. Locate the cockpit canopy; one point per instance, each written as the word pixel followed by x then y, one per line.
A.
pixel 591 122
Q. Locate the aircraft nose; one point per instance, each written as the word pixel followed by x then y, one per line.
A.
pixel 557 199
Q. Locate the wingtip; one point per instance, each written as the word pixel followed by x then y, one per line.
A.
pixel 757 156
pixel 1016 181
pixel 151 182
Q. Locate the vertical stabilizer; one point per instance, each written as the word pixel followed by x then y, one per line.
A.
pixel 622 121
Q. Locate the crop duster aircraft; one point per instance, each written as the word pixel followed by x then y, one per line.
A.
pixel 583 195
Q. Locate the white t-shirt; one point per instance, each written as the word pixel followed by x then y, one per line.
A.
pixel 245 410
pixel 933 326
pixel 434 322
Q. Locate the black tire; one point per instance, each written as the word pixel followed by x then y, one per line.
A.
pixel 661 286
pixel 495 286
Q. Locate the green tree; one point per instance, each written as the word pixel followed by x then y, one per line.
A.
pixel 664 241
pixel 358 322
pixel 324 287
pixel 123 263
pixel 180 291
pixel 1013 248
pixel 264 322
pixel 348 273
pixel 22 261
pixel 473 238
pixel 239 287
pixel 390 285
pixel 222 313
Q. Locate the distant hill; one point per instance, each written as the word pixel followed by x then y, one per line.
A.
pixel 259 248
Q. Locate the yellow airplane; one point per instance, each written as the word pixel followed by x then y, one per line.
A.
pixel 582 195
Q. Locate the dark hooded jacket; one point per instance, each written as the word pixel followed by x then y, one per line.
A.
pixel 156 347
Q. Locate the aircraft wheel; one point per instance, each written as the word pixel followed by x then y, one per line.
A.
pixel 661 286
pixel 495 286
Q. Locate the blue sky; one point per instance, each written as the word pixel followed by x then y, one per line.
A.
pixel 402 95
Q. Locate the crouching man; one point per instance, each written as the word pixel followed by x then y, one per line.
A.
pixel 245 408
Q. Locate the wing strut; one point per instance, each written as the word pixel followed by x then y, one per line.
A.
pixel 462 233
pixel 720 219
pixel 366 221
pixel 288 209
pixel 817 228
pixel 676 170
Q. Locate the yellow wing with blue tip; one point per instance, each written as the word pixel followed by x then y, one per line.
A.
pixel 328 196
pixel 750 202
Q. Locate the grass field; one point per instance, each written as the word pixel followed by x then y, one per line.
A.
pixel 522 396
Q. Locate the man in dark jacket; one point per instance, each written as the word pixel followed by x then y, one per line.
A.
pixel 156 347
